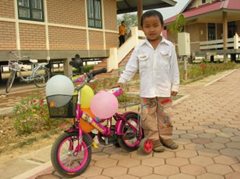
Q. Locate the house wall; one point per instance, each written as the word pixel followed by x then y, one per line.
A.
pixel 7 35
pixel 96 40
pixel 110 9
pixel 238 27
pixel 67 12
pixel 111 37
pixel 32 37
pixel 65 27
pixel 111 40
pixel 7 27
pixel 61 38
pixel 194 31
pixel 7 8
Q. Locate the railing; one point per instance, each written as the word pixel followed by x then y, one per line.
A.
pixel 218 44
pixel 117 54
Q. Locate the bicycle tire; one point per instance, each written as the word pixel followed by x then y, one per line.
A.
pixel 41 76
pixel 130 140
pixel 10 81
pixel 71 156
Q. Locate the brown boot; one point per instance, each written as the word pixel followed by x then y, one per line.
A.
pixel 158 147
pixel 169 143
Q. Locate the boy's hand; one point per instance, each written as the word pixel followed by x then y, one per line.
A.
pixel 174 93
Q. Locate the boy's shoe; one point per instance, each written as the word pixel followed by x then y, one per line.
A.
pixel 169 143
pixel 158 147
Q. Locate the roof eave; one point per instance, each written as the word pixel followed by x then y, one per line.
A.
pixel 165 3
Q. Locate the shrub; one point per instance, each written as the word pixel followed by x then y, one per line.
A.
pixel 31 115
pixel 87 68
pixel 198 71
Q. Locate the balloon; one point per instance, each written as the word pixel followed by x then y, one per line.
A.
pixel 86 96
pixel 104 105
pixel 59 90
pixel 86 127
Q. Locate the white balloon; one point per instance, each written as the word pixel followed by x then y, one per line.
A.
pixel 59 85
pixel 59 89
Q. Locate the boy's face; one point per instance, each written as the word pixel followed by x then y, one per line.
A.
pixel 152 27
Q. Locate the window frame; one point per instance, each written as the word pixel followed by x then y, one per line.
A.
pixel 94 19
pixel 31 9
pixel 212 31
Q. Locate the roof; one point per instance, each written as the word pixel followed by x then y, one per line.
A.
pixel 220 5
pixel 125 6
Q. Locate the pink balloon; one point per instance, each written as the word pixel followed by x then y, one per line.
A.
pixel 104 105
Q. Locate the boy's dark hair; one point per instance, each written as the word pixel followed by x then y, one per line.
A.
pixel 152 13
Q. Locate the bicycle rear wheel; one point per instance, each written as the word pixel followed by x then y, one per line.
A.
pixel 132 132
pixel 10 81
pixel 41 76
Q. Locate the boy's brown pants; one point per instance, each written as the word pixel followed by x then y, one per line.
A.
pixel 155 120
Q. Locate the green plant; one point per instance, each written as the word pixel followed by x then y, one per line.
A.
pixel 199 71
pixel 178 24
pixel 31 115
pixel 87 68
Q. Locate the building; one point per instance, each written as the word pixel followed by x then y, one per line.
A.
pixel 60 29
pixel 212 25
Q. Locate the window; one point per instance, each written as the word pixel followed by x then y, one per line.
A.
pixel 30 10
pixel 94 13
pixel 203 1
pixel 211 31
pixel 232 28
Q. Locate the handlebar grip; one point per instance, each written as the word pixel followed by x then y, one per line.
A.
pixel 96 72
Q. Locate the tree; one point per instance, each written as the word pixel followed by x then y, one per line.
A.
pixel 178 24
pixel 129 19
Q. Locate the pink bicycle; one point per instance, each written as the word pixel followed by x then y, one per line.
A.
pixel 72 150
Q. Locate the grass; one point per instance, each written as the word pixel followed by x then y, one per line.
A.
pixel 199 71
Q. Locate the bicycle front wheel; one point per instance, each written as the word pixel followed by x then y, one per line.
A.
pixel 69 157
pixel 10 81
pixel 41 76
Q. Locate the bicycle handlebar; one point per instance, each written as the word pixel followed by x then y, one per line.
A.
pixel 91 74
pixel 88 77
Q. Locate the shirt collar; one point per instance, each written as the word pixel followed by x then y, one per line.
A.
pixel 162 41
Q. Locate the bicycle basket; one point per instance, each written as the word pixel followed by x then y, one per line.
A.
pixel 62 106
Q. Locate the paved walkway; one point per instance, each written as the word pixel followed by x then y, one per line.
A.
pixel 206 127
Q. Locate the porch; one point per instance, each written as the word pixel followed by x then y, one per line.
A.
pixel 213 50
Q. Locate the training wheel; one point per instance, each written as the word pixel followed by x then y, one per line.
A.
pixel 146 145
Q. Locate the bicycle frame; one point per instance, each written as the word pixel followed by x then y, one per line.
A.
pixel 16 66
pixel 105 130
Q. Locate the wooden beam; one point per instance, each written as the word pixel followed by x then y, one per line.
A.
pixel 225 30
pixel 139 12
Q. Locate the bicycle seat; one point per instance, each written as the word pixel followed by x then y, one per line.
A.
pixel 33 60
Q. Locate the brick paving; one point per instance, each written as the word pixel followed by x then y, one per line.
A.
pixel 207 129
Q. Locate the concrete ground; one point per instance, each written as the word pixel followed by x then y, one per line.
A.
pixel 206 127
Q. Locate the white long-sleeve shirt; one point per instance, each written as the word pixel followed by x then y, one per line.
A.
pixel 158 69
